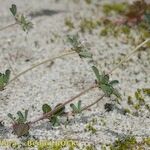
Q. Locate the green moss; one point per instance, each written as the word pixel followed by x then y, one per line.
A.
pixel 69 23
pixel 130 143
pixel 104 32
pixel 88 25
pixel 125 29
pixel 90 147
pixel 127 143
pixel 88 1
pixel 130 102
pixel 115 7
pixel 90 128
pixel 136 106
pixel 146 91
pixel 139 97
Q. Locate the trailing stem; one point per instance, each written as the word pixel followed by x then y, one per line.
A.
pixel 39 64
pixel 49 114
pixel 8 26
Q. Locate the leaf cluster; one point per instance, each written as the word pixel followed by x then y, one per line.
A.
pixel 76 108
pixel 78 47
pixel 54 119
pixel 21 19
pixel 20 125
pixel 103 83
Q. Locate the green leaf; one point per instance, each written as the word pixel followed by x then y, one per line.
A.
pixel 104 78
pixel 26 115
pixel 107 89
pixel 55 121
pixel 85 54
pixel 46 108
pixel 79 105
pixel 11 117
pixel 60 111
pixel 96 73
pixel 113 82
pixel 74 108
pixel 6 76
pixel 21 117
pixel 13 9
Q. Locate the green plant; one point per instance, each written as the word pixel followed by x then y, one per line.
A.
pixel 124 144
pixel 106 85
pixel 114 7
pixel 20 125
pixel 130 143
pixel 76 108
pixel 78 47
pixel 21 19
pixel 4 78
pixel 54 118
pixel 88 25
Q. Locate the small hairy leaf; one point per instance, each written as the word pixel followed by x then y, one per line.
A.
pixel 20 117
pixel 11 117
pixel 105 79
pixel 55 121
pixel 46 108
pixel 13 9
pixel 113 82
pixel 74 108
pixel 96 73
pixel 107 89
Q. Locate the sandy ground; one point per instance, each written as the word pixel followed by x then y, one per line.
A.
pixel 66 77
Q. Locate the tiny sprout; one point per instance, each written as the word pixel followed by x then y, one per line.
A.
pixel 21 19
pixel 106 85
pixel 20 125
pixel 78 47
pixel 76 109
pixel 54 119
pixel 4 78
